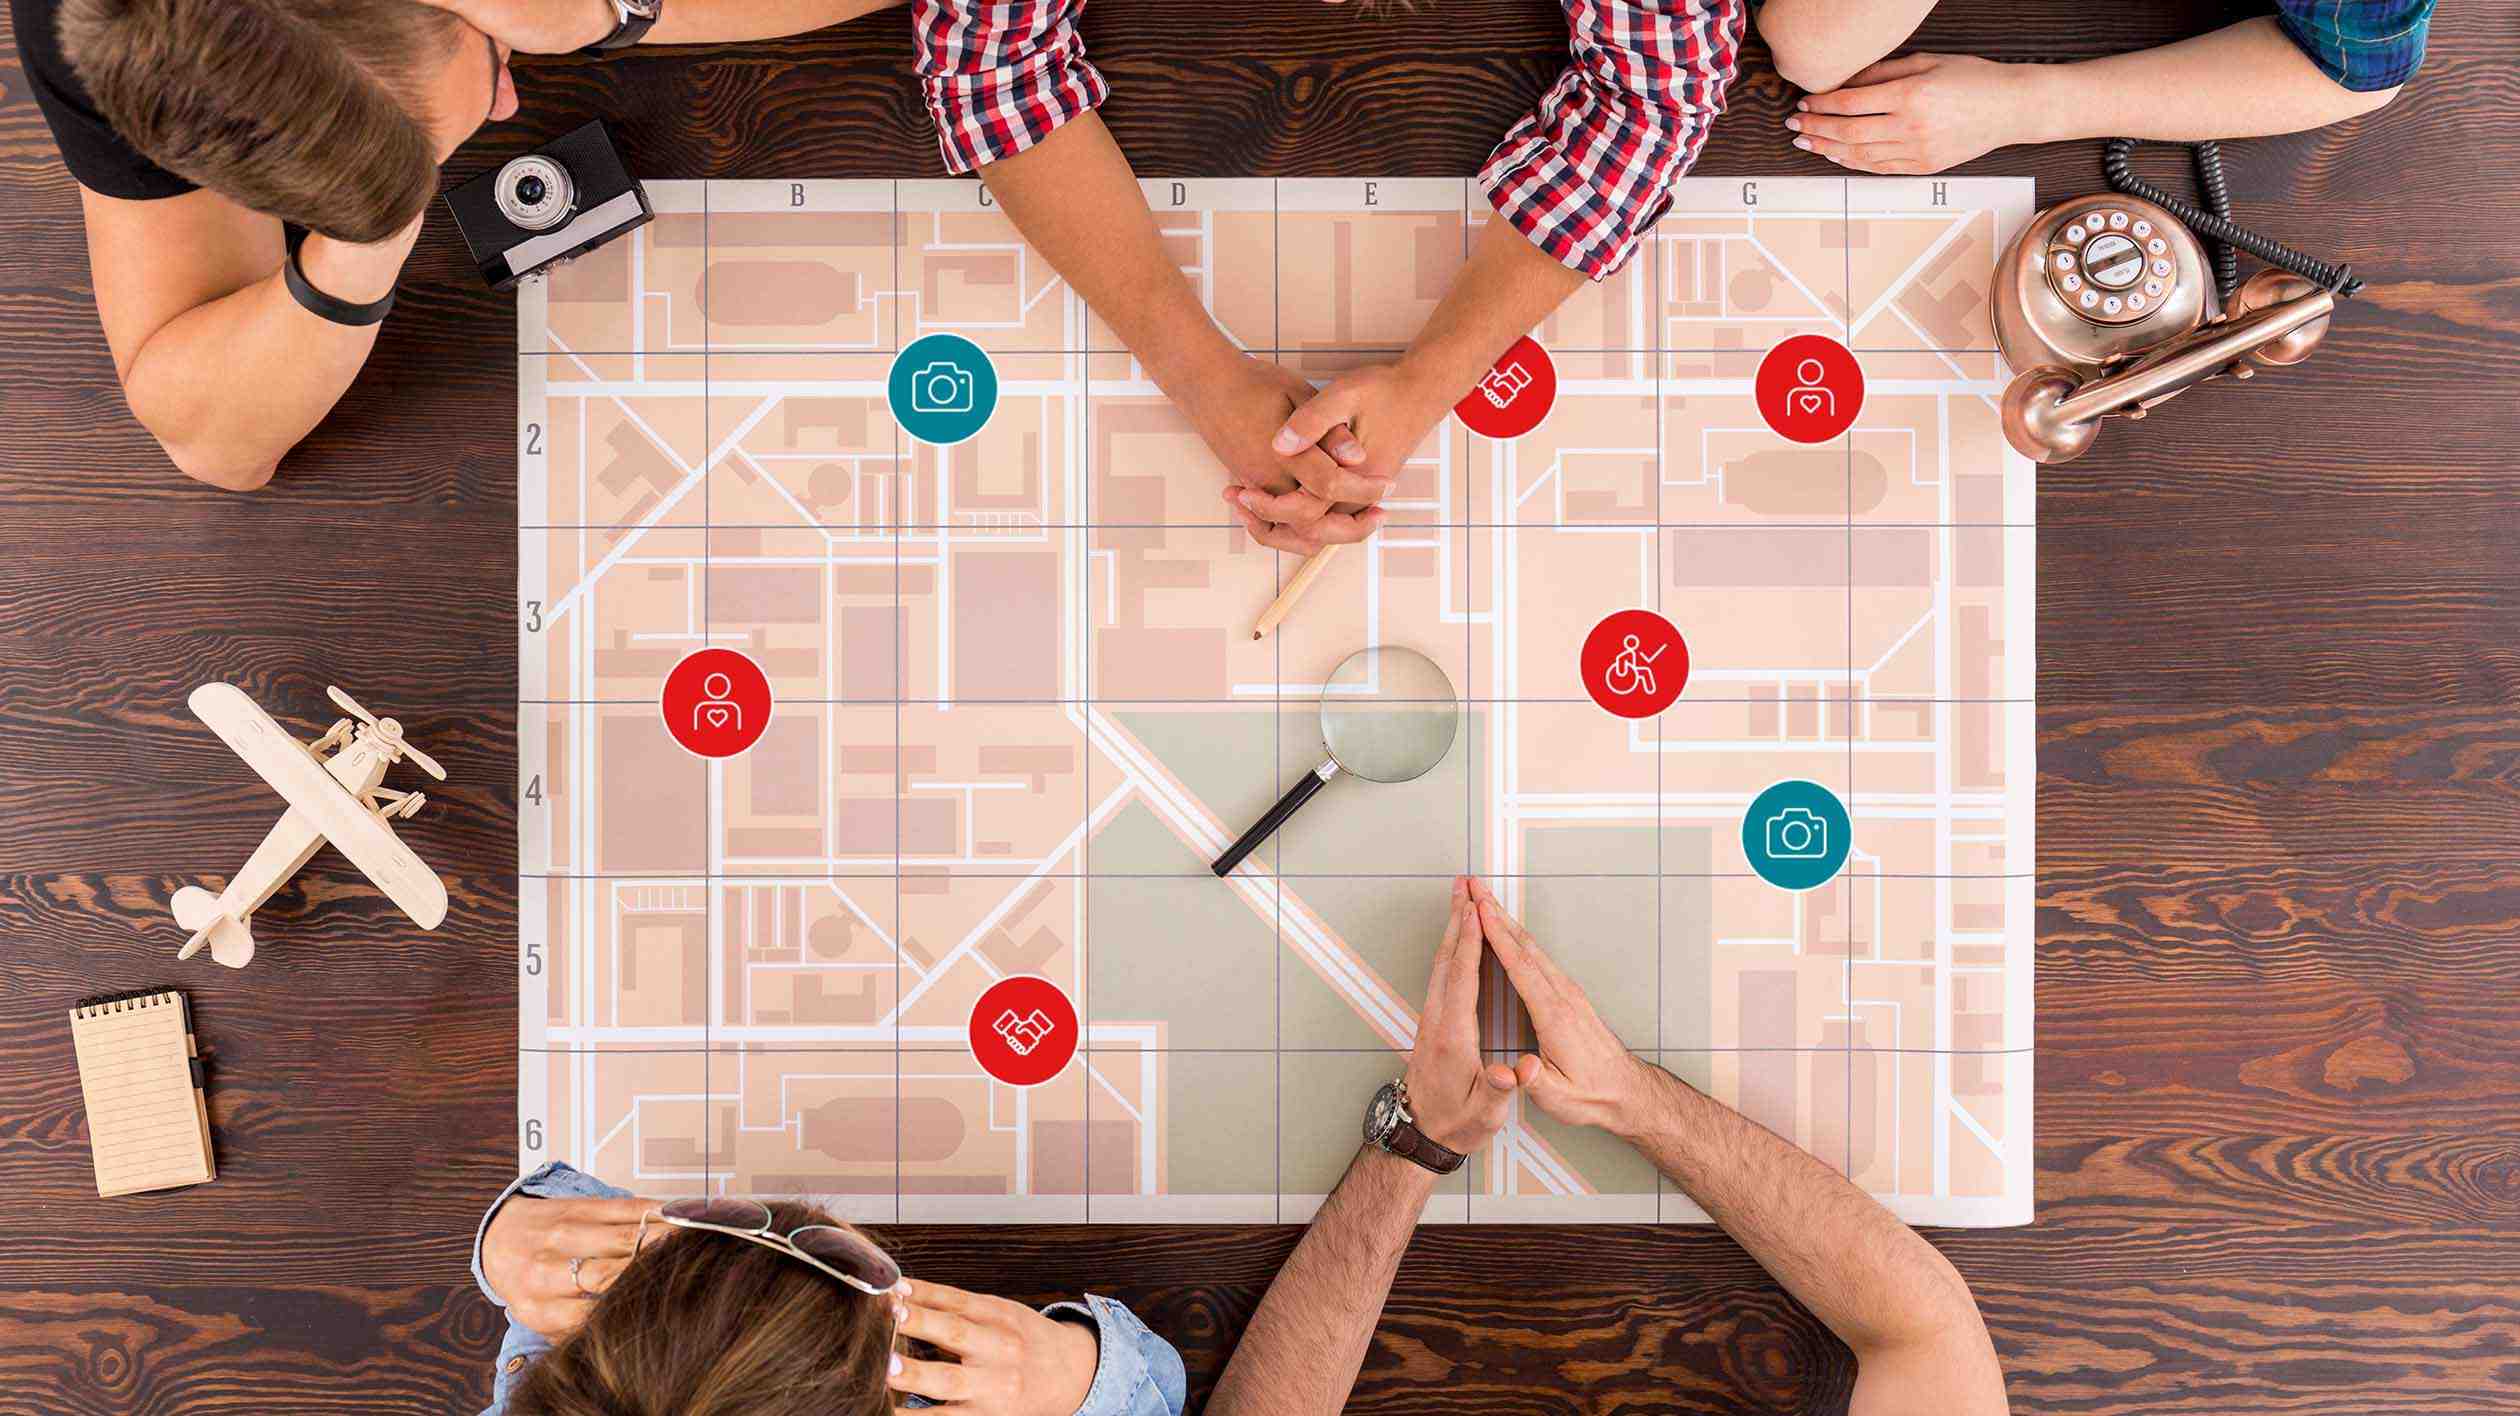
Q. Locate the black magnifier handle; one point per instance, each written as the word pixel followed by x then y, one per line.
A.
pixel 1266 826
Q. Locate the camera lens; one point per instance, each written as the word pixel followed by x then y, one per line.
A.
pixel 535 193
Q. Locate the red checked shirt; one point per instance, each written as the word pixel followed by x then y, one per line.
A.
pixel 1585 175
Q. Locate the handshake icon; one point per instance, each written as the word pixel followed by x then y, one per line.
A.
pixel 1025 1033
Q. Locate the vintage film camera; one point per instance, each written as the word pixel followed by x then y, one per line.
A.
pixel 2107 305
pixel 551 205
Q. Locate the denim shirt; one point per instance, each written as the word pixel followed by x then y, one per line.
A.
pixel 1138 1373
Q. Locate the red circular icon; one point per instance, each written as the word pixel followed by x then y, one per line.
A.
pixel 1635 663
pixel 1023 1030
pixel 716 702
pixel 1810 388
pixel 1514 395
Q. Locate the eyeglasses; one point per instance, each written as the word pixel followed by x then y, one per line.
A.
pixel 844 1254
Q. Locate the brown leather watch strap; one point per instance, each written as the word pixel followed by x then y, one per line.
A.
pixel 1411 1144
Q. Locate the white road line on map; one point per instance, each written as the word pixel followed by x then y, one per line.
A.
pixel 1785 269
pixel 692 477
pixel 970 942
pixel 744 455
pixel 1969 1122
pixel 1377 1005
pixel 607 1138
pixel 1548 1167
pixel 1547 477
pixel 1898 284
pixel 1930 617
pixel 1123 1102
pixel 1927 340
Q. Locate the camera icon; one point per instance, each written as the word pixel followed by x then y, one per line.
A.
pixel 941 387
pixel 1797 833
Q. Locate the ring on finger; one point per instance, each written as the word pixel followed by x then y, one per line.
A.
pixel 576 1282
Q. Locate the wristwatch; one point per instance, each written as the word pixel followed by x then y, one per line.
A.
pixel 632 19
pixel 1389 1125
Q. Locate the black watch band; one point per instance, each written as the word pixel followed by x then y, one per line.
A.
pixel 315 302
pixel 628 29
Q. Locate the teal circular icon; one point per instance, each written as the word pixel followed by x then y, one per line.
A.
pixel 1795 834
pixel 942 389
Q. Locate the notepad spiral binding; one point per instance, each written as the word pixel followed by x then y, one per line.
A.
pixel 105 1003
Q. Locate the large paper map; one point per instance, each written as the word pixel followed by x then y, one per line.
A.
pixel 1019 708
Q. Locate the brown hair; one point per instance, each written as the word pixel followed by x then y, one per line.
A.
pixel 703 1324
pixel 308 110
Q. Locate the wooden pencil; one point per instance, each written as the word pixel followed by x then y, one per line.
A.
pixel 1302 581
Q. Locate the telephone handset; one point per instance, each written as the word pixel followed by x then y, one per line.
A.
pixel 2110 304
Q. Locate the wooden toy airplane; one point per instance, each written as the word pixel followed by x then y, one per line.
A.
pixel 336 800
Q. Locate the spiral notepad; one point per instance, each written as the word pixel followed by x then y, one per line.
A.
pixel 148 1122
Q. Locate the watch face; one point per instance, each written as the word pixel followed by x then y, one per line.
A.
pixel 1382 1116
pixel 642 9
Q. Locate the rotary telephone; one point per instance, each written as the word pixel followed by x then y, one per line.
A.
pixel 2110 304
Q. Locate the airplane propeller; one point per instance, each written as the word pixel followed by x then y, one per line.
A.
pixel 388 729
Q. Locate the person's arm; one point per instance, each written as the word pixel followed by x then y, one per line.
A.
pixel 1576 185
pixel 1075 199
pixel 566 26
pixel 1817 45
pixel 1898 1304
pixel 217 360
pixel 1308 1339
pixel 1926 112
pixel 1013 99
pixel 521 1256
pixel 536 1227
pixel 1092 1358
pixel 729 21
pixel 1509 286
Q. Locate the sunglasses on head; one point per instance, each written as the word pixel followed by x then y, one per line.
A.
pixel 844 1254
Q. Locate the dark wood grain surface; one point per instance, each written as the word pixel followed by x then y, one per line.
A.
pixel 2279 901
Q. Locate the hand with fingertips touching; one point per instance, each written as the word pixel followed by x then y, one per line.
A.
pixel 1458 1102
pixel 1582 1074
pixel 1007 1359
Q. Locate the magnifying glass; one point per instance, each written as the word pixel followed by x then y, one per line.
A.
pixel 1387 715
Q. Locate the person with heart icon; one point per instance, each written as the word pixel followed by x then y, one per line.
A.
pixel 717 702
pixel 718 711
pixel 1811 398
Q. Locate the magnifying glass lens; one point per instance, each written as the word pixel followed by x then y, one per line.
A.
pixel 1387 714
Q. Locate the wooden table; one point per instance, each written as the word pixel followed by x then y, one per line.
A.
pixel 2279 993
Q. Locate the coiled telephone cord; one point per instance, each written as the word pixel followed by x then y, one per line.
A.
pixel 2214 223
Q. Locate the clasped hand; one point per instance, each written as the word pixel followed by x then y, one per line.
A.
pixel 1309 469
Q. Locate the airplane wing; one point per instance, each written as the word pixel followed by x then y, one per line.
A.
pixel 293 772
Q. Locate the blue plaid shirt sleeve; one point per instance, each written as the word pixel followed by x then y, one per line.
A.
pixel 2362 44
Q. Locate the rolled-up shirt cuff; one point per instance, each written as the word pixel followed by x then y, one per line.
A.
pixel 1587 174
pixel 993 114
pixel 1531 185
pixel 1136 1372
pixel 554 1180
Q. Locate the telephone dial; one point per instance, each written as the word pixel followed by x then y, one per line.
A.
pixel 2109 304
